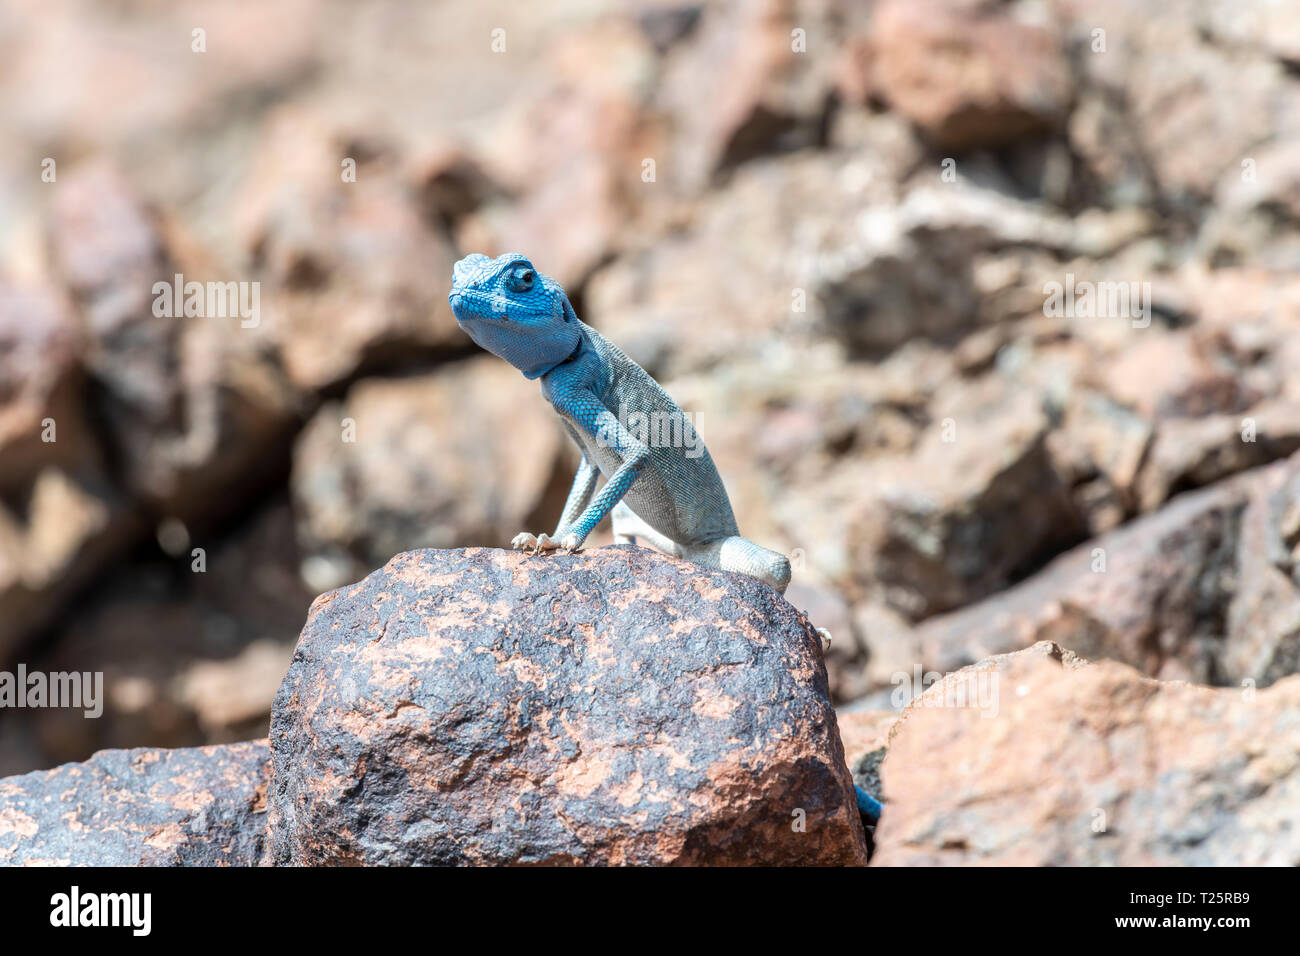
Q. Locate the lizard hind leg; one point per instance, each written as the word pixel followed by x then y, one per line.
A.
pixel 744 556
pixel 628 526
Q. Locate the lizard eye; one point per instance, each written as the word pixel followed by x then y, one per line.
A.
pixel 521 280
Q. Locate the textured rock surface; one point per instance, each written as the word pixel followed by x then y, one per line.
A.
pixel 203 806
pixel 610 707
pixel 185 657
pixel 1091 764
pixel 843 241
pixel 418 468
pixel 1203 590
pixel 966 75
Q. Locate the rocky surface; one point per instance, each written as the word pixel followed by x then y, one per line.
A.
pixel 203 806
pixel 610 707
pixel 828 227
pixel 1039 758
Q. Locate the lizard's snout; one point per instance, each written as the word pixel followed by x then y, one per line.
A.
pixel 465 272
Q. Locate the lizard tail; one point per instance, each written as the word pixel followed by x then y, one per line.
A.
pixel 868 805
pixel 741 554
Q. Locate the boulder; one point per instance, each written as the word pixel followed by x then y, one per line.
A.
pixel 1203 590
pixel 355 279
pixel 416 469
pixel 196 807
pixel 189 657
pixel 607 707
pixel 967 75
pixel 1038 758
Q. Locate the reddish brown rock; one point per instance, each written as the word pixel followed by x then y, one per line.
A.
pixel 417 469
pixel 976 501
pixel 1263 619
pixel 60 520
pixel 765 67
pixel 967 74
pixel 570 152
pixel 200 807
pixel 41 377
pixel 1178 96
pixel 192 413
pixel 608 707
pixel 1151 593
pixel 864 731
pixel 355 279
pixel 1048 760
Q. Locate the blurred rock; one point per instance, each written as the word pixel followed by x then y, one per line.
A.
pixel 355 279
pixel 1151 593
pixel 191 413
pixel 41 351
pixel 1201 591
pixel 737 257
pixel 63 535
pixel 973 507
pixel 571 150
pixel 60 520
pixel 188 657
pixel 967 74
pixel 608 707
pixel 200 807
pixel 766 69
pixel 864 732
pixel 1193 108
pixel 1050 761
pixel 464 456
pixel 1263 621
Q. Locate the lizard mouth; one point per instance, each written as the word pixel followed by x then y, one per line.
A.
pixel 469 304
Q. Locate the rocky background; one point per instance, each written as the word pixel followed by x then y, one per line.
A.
pixel 827 227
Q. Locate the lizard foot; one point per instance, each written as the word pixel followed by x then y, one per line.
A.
pixel 825 635
pixel 534 543
pixel 571 543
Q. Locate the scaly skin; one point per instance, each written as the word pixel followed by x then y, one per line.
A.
pixel 660 482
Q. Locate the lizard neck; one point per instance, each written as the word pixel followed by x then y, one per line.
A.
pixel 541 370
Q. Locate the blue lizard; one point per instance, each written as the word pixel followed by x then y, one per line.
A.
pixel 660 482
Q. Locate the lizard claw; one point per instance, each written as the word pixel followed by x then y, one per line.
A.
pixel 535 543
pixel 571 543
pixel 825 635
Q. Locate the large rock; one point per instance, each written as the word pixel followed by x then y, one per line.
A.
pixel 975 504
pixel 966 74
pixel 416 470
pixel 608 707
pixel 189 657
pixel 1048 760
pixel 199 807
pixel 1203 590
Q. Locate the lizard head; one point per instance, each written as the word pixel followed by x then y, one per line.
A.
pixel 514 311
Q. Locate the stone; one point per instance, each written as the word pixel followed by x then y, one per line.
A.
pixel 204 806
pixel 607 707
pixel 1048 760
pixel 966 74
pixel 463 456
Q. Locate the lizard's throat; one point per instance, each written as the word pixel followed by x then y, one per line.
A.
pixel 534 356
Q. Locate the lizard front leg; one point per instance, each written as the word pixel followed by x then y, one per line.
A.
pixel 584 408
pixel 584 483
